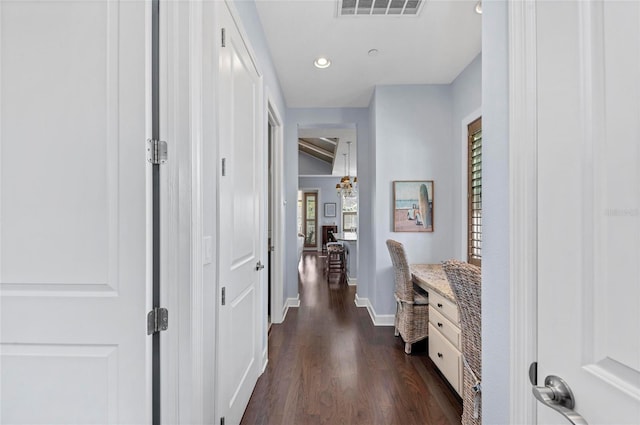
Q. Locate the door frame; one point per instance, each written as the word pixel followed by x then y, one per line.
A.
pixel 187 357
pixel 278 210
pixel 523 175
pixel 318 247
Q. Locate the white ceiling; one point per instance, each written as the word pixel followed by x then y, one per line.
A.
pixel 432 48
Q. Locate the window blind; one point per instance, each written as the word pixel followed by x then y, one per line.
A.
pixel 474 194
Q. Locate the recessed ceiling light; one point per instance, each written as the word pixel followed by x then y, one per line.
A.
pixel 322 62
pixel 479 7
pixel 373 52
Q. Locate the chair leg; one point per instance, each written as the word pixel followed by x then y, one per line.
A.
pixel 407 347
pixel 396 332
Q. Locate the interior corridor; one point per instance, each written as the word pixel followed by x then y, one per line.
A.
pixel 328 364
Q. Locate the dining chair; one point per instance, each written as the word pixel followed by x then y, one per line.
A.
pixel 412 306
pixel 465 280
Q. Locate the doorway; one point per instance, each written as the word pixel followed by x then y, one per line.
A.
pixel 309 216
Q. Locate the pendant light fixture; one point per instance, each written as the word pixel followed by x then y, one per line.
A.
pixel 346 188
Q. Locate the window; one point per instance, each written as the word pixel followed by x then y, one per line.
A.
pixel 474 193
pixel 310 210
pixel 349 214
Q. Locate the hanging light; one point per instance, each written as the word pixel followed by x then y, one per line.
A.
pixel 346 188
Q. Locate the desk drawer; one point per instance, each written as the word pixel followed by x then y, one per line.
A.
pixel 446 358
pixel 444 307
pixel 445 327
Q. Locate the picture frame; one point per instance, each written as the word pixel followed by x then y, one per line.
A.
pixel 413 202
pixel 329 209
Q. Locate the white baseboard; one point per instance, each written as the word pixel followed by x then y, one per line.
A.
pixel 352 281
pixel 265 360
pixel 290 302
pixel 377 319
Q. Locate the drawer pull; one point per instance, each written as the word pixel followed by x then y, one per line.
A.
pixel 439 324
pixel 440 305
pixel 440 355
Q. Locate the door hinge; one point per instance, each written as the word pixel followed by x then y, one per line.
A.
pixel 156 151
pixel 157 320
pixel 224 38
pixel 224 295
pixel 222 420
pixel 224 167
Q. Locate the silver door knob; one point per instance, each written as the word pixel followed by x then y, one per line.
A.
pixel 259 266
pixel 557 395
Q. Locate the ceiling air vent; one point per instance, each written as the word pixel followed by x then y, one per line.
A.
pixel 379 7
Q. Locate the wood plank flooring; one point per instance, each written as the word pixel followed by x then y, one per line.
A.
pixel 328 364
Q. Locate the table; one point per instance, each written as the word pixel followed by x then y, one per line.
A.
pixel 445 342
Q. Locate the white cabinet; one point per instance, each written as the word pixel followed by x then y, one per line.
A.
pixel 445 344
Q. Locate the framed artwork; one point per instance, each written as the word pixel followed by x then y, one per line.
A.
pixel 413 206
pixel 329 209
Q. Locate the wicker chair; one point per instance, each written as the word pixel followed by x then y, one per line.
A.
pixel 465 280
pixel 412 306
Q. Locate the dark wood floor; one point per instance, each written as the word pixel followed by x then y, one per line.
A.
pixel 328 364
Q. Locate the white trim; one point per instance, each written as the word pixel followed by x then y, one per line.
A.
pixel 265 359
pixel 290 302
pixel 197 303
pixel 376 319
pixel 464 146
pixel 278 212
pixel 182 350
pixel 352 281
pixel 523 207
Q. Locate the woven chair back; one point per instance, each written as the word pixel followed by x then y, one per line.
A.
pixel 465 280
pixel 403 282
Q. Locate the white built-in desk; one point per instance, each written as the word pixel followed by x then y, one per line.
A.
pixel 445 342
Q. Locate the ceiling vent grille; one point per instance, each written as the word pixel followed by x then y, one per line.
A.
pixel 379 7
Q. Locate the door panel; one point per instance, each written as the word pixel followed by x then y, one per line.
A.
pixel 589 206
pixel 73 235
pixel 239 227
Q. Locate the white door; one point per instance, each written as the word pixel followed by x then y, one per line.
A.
pixel 240 206
pixel 74 240
pixel 588 94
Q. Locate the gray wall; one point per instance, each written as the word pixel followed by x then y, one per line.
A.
pixel 311 166
pixel 467 101
pixel 413 130
pixel 331 117
pixel 495 250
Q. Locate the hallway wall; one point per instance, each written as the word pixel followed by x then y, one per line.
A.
pixel 496 295
pixel 413 130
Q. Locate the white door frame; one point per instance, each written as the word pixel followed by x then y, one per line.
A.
pixel 523 176
pixel 187 360
pixel 278 211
